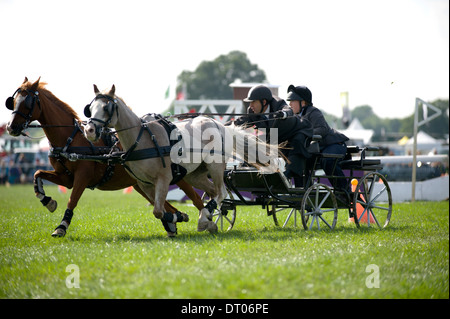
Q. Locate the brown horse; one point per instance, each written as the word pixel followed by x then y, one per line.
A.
pixel 32 101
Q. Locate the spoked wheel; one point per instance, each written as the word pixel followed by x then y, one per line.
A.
pixel 372 201
pixel 319 208
pixel 283 215
pixel 223 218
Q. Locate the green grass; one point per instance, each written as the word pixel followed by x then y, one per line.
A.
pixel 122 252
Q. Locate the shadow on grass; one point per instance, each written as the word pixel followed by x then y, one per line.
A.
pixel 271 233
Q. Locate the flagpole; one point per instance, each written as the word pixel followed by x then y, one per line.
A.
pixel 414 163
pixel 426 119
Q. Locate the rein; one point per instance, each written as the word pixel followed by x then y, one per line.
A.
pixel 191 115
pixel 181 115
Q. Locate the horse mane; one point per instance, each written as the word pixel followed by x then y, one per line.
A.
pixel 119 98
pixel 43 91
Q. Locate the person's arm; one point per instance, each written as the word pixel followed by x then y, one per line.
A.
pixel 318 122
pixel 242 120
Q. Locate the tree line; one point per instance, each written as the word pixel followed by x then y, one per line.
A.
pixel 211 80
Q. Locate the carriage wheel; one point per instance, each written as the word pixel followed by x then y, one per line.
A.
pixel 319 208
pixel 223 219
pixel 372 201
pixel 283 214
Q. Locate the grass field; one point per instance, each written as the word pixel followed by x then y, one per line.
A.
pixel 115 248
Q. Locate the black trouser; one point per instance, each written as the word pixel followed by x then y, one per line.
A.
pixel 328 164
pixel 296 153
pixel 295 169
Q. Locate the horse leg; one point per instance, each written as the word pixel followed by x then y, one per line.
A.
pixel 50 176
pixel 202 182
pixel 157 197
pixel 168 208
pixel 168 220
pixel 79 185
pixel 215 171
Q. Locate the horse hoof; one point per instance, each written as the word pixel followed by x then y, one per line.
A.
pixel 202 226
pixel 204 221
pixel 207 225
pixel 171 235
pixel 212 228
pixel 59 232
pixel 185 217
pixel 51 206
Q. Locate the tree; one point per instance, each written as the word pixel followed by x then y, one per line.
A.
pixel 438 128
pixel 392 129
pixel 211 79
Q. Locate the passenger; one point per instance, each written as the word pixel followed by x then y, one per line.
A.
pixel 332 142
pixel 270 112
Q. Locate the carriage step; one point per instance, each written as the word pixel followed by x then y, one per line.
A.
pixel 359 163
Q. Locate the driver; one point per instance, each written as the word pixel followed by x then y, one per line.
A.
pixel 269 112
pixel 332 142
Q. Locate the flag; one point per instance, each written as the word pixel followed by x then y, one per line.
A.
pixel 167 92
pixel 180 95
pixel 425 106
pixel 425 111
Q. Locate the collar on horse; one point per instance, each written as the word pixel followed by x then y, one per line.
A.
pixel 60 153
pixel 108 139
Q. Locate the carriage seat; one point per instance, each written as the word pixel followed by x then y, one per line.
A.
pixel 313 163
pixel 362 162
pixel 347 161
pixel 249 179
pixel 313 146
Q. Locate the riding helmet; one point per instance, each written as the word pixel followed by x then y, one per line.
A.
pixel 258 93
pixel 299 93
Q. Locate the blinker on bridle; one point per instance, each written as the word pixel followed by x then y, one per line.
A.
pixel 30 101
pixel 109 108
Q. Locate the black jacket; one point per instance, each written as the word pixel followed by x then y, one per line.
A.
pixel 321 127
pixel 292 129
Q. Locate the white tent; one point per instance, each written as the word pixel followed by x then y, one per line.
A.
pixel 422 138
pixel 425 144
pixel 357 133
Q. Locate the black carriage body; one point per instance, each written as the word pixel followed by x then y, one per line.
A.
pixel 274 193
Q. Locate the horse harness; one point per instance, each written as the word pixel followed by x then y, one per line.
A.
pixel 61 153
pixel 178 171
pixel 31 101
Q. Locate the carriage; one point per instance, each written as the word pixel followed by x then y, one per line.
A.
pixel 317 204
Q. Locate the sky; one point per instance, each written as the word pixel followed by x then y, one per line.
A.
pixel 384 53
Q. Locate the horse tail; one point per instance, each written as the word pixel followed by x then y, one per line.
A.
pixel 250 148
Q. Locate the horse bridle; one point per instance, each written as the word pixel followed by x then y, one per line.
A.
pixel 30 101
pixel 109 108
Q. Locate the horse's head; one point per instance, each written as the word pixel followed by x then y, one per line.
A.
pixel 102 113
pixel 23 104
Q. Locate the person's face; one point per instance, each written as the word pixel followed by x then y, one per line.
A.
pixel 295 106
pixel 256 106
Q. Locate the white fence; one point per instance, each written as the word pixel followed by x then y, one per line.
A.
pixel 210 106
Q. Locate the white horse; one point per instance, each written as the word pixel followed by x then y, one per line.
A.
pixel 153 150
